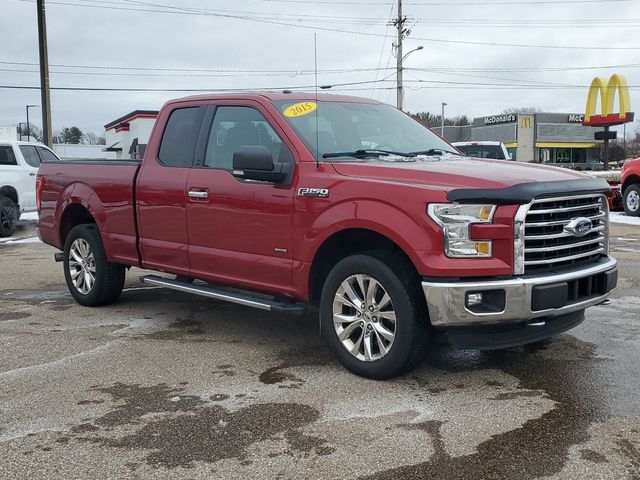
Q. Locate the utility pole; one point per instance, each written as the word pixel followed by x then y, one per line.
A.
pixel 44 75
pixel 399 24
pixel 442 120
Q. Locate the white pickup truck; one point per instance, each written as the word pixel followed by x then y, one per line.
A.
pixel 484 149
pixel 19 162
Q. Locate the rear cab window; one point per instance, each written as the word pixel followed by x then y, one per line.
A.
pixel 7 157
pixel 47 155
pixel 30 155
pixel 178 144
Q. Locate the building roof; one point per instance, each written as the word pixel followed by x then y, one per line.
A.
pixel 130 116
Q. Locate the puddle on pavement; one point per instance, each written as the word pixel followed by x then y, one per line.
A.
pixel 540 447
pixel 5 316
pixel 186 429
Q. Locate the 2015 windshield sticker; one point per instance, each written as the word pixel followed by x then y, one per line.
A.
pixel 300 109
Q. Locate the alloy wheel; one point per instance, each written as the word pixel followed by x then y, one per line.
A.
pixel 82 266
pixel 633 201
pixel 364 318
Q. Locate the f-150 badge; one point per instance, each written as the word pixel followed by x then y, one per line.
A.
pixel 313 192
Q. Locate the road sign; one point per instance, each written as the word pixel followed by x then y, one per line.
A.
pixel 606 135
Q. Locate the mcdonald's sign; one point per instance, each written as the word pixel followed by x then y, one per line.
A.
pixel 607 93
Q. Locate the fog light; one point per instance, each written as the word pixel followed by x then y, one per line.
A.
pixel 474 299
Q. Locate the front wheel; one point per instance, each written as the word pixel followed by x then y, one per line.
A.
pixel 631 200
pixel 372 315
pixel 91 279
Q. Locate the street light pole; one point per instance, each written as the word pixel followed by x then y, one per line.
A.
pixel 399 77
pixel 28 127
pixel 442 120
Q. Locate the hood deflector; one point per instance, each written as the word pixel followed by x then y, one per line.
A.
pixel 526 192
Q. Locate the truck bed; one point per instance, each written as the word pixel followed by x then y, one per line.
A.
pixel 102 188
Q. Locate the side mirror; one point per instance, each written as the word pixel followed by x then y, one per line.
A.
pixel 255 162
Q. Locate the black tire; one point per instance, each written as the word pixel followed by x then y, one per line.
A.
pixel 631 200
pixel 394 273
pixel 9 216
pixel 109 277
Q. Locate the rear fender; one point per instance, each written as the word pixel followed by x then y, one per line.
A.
pixel 81 194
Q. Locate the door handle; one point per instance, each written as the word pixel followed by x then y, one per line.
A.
pixel 32 174
pixel 198 195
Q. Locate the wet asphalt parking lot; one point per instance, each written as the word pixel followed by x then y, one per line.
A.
pixel 167 385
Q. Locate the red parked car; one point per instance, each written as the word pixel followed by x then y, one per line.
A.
pixel 344 204
pixel 630 187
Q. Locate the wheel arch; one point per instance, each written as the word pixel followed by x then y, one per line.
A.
pixel 78 204
pixel 630 180
pixel 344 243
pixel 73 215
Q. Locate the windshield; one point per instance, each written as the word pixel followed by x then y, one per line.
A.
pixel 482 151
pixel 346 130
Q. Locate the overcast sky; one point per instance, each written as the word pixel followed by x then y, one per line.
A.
pixel 202 44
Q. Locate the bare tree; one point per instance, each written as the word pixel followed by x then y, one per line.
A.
pixel 521 110
pixel 34 132
pixel 432 120
pixel 91 138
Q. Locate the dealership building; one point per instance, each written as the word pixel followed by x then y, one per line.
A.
pixel 551 138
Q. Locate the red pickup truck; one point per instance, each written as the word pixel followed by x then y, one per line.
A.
pixel 630 187
pixel 285 201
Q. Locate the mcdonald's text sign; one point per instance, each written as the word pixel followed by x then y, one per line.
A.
pixel 606 91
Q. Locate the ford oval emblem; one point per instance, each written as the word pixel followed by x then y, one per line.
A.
pixel 579 226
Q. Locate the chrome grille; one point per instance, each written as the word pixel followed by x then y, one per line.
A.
pixel 548 245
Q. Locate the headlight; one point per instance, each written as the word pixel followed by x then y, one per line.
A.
pixel 455 220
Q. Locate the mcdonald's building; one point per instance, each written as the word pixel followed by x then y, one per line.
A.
pixel 550 138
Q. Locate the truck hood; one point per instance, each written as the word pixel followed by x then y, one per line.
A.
pixel 449 172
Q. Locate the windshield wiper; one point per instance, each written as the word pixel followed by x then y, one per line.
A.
pixel 433 151
pixel 363 153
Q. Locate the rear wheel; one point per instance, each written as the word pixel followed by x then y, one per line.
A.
pixel 372 315
pixel 9 216
pixel 91 279
pixel 631 200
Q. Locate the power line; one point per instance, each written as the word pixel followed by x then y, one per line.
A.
pixel 183 11
pixel 525 69
pixel 447 4
pixel 293 72
pixel 384 42
pixel 136 89
pixel 435 83
pixel 461 22
pixel 191 75
pixel 359 20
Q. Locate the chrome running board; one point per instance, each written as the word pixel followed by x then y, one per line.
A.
pixel 247 300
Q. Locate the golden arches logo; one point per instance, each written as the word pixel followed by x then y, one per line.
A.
pixel 525 122
pixel 607 93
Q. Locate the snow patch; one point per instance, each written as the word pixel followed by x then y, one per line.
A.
pixel 32 216
pixel 19 241
pixel 617 217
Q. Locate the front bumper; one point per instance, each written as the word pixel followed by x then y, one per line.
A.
pixel 522 298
